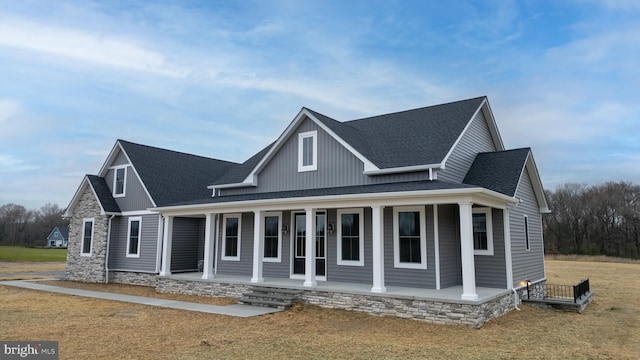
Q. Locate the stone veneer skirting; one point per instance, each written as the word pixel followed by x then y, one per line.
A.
pixel 468 313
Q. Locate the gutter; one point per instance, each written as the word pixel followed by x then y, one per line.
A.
pixel 106 260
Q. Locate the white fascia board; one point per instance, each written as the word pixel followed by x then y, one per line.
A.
pixel 536 183
pixel 253 182
pixel 402 169
pixel 368 165
pixel 404 198
pixel 110 159
pixel 74 200
pixel 491 124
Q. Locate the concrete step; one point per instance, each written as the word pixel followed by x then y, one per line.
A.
pixel 262 289
pixel 284 297
pixel 270 296
pixel 271 303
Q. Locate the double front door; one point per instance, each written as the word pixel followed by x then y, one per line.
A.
pixel 300 243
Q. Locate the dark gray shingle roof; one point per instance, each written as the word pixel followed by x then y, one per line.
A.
pixel 64 231
pixel 413 137
pixel 103 193
pixel 358 189
pixel 238 173
pixel 172 176
pixel 498 171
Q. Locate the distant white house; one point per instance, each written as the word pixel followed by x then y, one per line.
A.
pixel 58 237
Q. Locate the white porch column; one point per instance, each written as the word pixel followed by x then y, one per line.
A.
pixel 310 249
pixel 167 240
pixel 209 239
pixel 377 234
pixel 258 246
pixel 436 244
pixel 466 249
pixel 507 248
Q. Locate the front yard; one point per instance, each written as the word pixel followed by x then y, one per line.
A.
pixel 90 328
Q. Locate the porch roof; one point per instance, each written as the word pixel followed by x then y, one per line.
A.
pixel 423 185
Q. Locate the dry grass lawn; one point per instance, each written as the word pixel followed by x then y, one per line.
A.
pixel 91 328
pixel 22 266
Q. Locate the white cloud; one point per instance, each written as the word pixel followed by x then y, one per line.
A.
pixel 85 46
pixel 8 109
pixel 11 163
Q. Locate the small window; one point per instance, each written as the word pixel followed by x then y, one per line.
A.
pixel 526 233
pixel 87 237
pixel 231 238
pixel 133 241
pixel 307 151
pixel 272 237
pixel 52 243
pixel 119 181
pixel 351 237
pixel 482 231
pixel 409 238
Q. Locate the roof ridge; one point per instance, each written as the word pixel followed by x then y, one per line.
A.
pixel 414 109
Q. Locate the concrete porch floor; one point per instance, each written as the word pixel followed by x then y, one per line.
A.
pixel 449 295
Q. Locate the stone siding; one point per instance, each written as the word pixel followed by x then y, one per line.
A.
pixel 87 268
pixel 441 312
pixel 131 278
pixel 201 288
pixel 535 291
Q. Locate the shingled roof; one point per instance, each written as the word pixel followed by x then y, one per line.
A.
pixel 499 171
pixel 172 176
pixel 103 193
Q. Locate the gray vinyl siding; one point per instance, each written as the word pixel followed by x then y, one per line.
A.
pixel 136 197
pixel 283 268
pixel 118 259
pixel 417 278
pixel 491 270
pixel 245 265
pixel 337 166
pixel 188 234
pixel 120 159
pixel 527 265
pixel 476 139
pixel 343 273
pixel 449 241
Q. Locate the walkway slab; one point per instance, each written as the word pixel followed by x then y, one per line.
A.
pixel 229 310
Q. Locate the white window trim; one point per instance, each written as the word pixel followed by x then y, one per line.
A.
pixel 124 184
pixel 93 231
pixel 487 212
pixel 360 213
pixel 264 222
pixel 423 238
pixel 131 219
pixel 527 238
pixel 301 137
pixel 224 236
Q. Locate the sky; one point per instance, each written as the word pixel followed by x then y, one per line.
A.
pixel 223 79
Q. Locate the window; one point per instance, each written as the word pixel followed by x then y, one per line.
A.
pixel 119 181
pixel 272 237
pixel 409 238
pixel 231 237
pixel 307 151
pixel 52 243
pixel 133 241
pixel 526 233
pixel 350 237
pixel 87 237
pixel 482 231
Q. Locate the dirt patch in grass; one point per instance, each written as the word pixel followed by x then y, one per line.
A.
pixel 92 328
pixel 24 266
pixel 141 291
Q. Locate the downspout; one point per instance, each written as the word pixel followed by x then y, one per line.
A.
pixel 106 260
pixel 215 252
pixel 516 299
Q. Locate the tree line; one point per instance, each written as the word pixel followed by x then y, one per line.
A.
pixel 600 219
pixel 22 227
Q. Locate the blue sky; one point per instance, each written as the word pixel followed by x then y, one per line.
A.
pixel 224 78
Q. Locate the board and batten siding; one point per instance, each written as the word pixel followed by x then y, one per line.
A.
pixel 187 237
pixel 337 167
pixel 417 278
pixel 491 270
pixel 245 265
pixel 449 244
pixel 527 264
pixel 118 259
pixel 136 197
pixel 476 139
pixel 282 269
pixel 120 159
pixel 345 273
